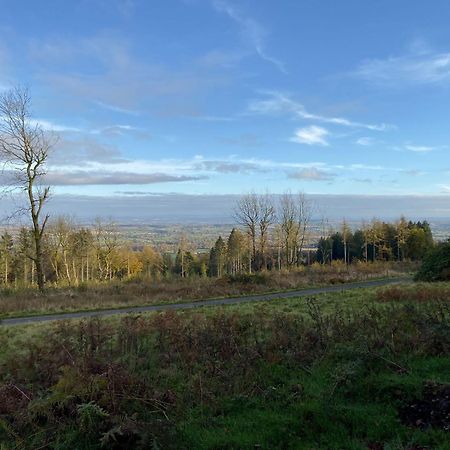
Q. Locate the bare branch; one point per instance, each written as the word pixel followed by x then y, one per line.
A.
pixel 24 150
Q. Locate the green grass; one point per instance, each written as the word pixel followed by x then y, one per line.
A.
pixel 329 373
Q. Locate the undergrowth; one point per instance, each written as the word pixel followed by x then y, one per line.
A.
pixel 257 377
pixel 146 291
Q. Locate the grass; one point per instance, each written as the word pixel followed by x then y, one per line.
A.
pixel 340 371
pixel 139 292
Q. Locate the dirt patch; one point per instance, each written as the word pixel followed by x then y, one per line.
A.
pixel 431 410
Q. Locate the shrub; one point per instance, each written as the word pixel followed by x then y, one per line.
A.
pixel 436 264
pixel 246 278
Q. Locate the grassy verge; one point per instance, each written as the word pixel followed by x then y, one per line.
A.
pixel 345 371
pixel 133 292
pixel 404 281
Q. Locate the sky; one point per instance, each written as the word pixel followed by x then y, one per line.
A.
pixel 219 97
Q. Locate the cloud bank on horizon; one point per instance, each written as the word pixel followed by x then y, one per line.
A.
pixel 222 97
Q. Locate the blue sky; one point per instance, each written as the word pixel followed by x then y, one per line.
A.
pixel 224 97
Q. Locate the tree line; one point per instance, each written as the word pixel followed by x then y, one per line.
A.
pixel 377 240
pixel 72 255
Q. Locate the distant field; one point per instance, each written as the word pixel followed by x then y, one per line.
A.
pixel 203 236
pixel 366 369
pixel 167 237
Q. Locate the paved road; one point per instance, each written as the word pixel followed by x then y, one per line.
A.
pixel 197 304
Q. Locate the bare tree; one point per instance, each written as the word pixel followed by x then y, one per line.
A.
pixel 266 219
pixel 25 148
pixel 295 217
pixel 106 243
pixel 289 227
pixel 247 214
pixel 305 212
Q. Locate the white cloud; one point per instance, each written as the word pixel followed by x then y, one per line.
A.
pixel 409 147
pixel 312 174
pixel 120 130
pixel 252 30
pixel 365 167
pixel 279 103
pixel 419 148
pixel 365 141
pixel 421 66
pixel 49 125
pixel 312 135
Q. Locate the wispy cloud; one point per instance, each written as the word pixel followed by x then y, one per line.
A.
pixel 312 135
pixel 413 172
pixel 109 161
pixel 117 108
pixel 311 174
pixel 419 148
pixel 122 81
pixel 49 125
pixel 420 66
pixel 409 147
pixel 230 166
pixel 252 30
pixel 279 103
pixel 122 130
pixel 80 150
pixel 112 130
pixel 365 141
pixel 83 178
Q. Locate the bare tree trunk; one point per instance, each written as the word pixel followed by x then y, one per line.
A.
pixel 25 149
pixel 25 273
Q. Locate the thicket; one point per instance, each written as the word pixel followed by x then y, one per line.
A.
pixel 436 264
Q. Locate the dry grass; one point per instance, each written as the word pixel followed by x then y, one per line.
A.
pixel 422 293
pixel 146 292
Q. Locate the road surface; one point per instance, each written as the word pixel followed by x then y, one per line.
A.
pixel 199 303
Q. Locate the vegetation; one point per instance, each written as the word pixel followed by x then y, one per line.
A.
pixel 436 264
pixel 377 241
pixel 74 256
pixel 143 290
pixel 335 371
